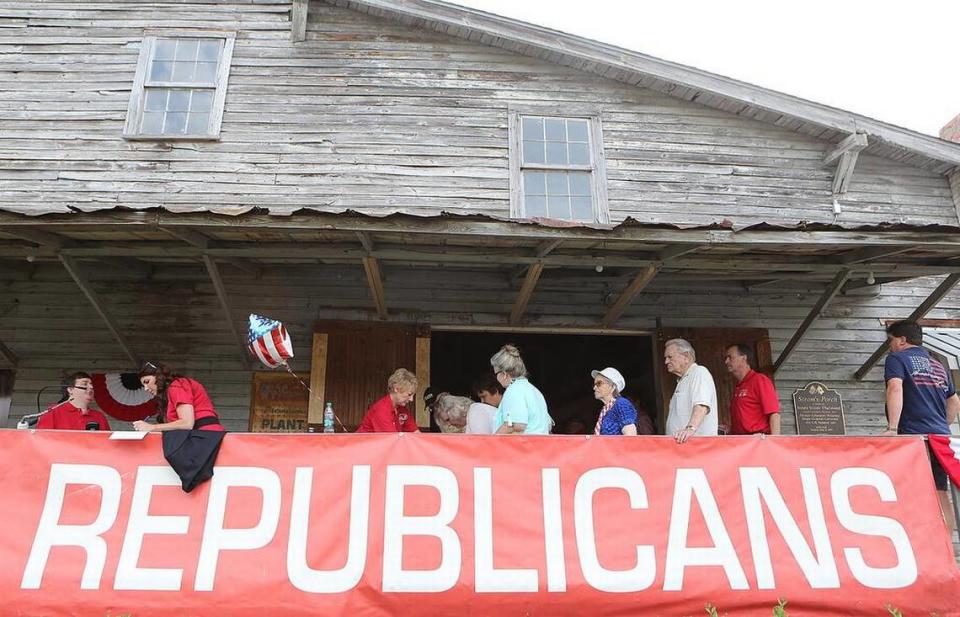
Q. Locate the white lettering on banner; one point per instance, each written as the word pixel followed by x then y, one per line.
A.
pixel 488 578
pixel 140 523
pixel 553 531
pixel 346 578
pixel 51 533
pixel 758 486
pixel 216 538
pixel 641 575
pixel 904 573
pixel 396 525
pixel 690 484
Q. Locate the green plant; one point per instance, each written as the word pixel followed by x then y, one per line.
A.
pixel 780 610
pixel 711 610
pixel 894 611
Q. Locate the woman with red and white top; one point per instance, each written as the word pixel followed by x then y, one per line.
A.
pixel 182 402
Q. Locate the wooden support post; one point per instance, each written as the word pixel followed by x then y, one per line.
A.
pixel 526 291
pixel 422 370
pixel 8 355
pixel 318 378
pixel 677 250
pixel 84 285
pixel 847 151
pixel 925 307
pixel 641 280
pixel 375 282
pixel 832 290
pixel 221 290
pixel 298 20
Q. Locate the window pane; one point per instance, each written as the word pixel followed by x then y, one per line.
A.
pixel 202 100
pixel 580 183
pixel 556 153
pixel 558 207
pixel 577 130
pixel 532 129
pixel 183 71
pixel 534 183
pixel 535 205
pixel 557 183
pixel 555 129
pixel 533 152
pixel 161 71
pixel 176 124
pixel 152 123
pixel 582 208
pixel 210 50
pixel 187 50
pixel 156 99
pixel 164 49
pixel 206 73
pixel 197 125
pixel 579 154
pixel 179 100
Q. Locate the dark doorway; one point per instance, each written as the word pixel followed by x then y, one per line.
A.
pixel 559 365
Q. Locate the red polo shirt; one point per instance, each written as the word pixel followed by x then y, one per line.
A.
pixel 754 399
pixel 66 416
pixel 381 418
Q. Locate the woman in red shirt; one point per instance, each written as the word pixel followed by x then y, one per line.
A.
pixel 182 402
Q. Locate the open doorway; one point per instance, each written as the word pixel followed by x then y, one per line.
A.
pixel 559 365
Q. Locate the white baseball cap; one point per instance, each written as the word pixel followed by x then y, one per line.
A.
pixel 613 375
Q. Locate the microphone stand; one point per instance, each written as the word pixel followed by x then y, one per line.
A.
pixel 26 421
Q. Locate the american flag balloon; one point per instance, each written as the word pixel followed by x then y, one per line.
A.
pixel 269 341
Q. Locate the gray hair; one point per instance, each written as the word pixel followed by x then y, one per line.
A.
pixel 508 361
pixel 683 346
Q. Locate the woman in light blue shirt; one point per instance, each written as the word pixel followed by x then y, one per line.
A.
pixel 523 409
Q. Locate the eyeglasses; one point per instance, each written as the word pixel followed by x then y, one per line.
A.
pixel 599 383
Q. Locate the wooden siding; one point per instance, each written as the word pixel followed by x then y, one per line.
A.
pixel 374 116
pixel 174 316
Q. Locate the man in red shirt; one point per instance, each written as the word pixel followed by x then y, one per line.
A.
pixel 75 413
pixel 755 407
pixel 390 414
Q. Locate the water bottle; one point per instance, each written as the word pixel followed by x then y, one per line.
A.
pixel 328 418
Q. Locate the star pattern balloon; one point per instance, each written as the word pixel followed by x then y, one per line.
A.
pixel 269 341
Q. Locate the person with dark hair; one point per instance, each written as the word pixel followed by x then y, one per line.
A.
pixel 921 398
pixel 182 402
pixel 74 413
pixel 482 416
pixel 755 406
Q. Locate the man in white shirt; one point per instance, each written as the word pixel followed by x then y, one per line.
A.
pixel 693 407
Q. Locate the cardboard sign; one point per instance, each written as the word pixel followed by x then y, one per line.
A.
pixel 278 404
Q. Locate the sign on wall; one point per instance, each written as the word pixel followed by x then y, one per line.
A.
pixel 278 404
pixel 420 524
pixel 819 410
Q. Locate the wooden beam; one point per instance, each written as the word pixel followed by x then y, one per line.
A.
pixel 298 20
pixel 835 285
pixel 873 253
pixel 202 241
pixel 42 238
pixel 547 247
pixel 8 355
pixel 422 370
pixel 847 151
pixel 366 241
pixel 221 290
pixel 73 269
pixel 925 307
pixel 318 378
pixel 375 282
pixel 673 252
pixel 641 280
pixel 526 291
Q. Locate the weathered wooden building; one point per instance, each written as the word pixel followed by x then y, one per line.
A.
pixel 420 183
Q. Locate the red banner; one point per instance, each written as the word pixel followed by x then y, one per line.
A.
pixel 443 524
pixel 947 451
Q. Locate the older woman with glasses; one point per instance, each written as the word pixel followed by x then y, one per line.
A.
pixel 618 415
pixel 523 410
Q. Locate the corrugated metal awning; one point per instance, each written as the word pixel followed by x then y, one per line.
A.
pixel 946 343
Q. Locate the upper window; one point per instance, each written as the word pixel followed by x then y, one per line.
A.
pixel 557 168
pixel 180 87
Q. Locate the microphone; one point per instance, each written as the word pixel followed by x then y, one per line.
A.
pixel 93 426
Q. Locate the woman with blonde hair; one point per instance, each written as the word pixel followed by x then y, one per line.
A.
pixel 523 410
pixel 390 414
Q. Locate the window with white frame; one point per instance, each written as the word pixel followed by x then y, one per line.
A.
pixel 557 168
pixel 180 87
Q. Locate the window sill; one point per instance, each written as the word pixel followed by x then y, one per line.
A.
pixel 172 137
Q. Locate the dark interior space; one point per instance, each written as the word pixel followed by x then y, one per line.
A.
pixel 559 365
